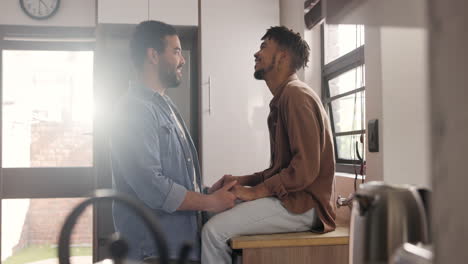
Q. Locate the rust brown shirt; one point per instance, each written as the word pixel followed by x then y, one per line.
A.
pixel 302 167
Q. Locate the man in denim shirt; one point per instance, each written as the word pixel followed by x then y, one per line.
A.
pixel 153 156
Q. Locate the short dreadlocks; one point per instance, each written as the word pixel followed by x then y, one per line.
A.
pixel 291 41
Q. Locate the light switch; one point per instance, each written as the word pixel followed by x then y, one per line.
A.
pixel 373 135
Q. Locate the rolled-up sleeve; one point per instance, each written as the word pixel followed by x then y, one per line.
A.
pixel 136 156
pixel 256 177
pixel 304 135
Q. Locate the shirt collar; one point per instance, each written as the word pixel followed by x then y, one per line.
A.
pixel 275 101
pixel 142 91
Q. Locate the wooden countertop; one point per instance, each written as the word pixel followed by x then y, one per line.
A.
pixel 338 237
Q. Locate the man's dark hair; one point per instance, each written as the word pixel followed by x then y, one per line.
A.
pixel 149 34
pixel 292 42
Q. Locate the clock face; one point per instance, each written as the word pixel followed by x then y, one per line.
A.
pixel 40 9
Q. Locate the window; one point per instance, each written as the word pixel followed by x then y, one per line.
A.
pixel 47 117
pixel 343 91
pixel 47 140
pixel 30 229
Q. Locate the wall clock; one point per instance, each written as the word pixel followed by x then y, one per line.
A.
pixel 40 9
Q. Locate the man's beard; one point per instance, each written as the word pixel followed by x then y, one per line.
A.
pixel 260 74
pixel 169 77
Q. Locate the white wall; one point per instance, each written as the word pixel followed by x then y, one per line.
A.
pixel 313 73
pixel 292 16
pixel 374 102
pixel 72 13
pixel 397 93
pixel 405 94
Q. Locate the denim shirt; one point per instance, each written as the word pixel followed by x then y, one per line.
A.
pixel 153 162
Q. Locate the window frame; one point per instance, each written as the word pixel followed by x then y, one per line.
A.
pixel 333 69
pixel 49 182
pixel 26 180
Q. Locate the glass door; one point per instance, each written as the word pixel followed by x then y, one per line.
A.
pixel 47 142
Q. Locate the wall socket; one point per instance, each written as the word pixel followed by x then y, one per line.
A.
pixel 373 135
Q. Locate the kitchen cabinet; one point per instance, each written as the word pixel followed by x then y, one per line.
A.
pixel 122 11
pixel 233 105
pixel 175 12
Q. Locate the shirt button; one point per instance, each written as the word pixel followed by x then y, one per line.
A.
pixel 189 159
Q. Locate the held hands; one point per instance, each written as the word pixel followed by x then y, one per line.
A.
pixel 250 194
pixel 227 189
pixel 222 199
pixel 244 193
pixel 222 182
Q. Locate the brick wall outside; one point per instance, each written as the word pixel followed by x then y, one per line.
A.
pixel 44 221
pixel 60 144
pixel 57 145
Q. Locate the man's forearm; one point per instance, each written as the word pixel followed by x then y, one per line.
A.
pixel 250 194
pixel 194 201
pixel 261 191
pixel 249 180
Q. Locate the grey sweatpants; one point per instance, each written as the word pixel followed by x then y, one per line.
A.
pixel 262 216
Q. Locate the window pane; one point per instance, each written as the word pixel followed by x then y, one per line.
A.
pixel 342 39
pixel 346 147
pixel 348 112
pixel 348 81
pixel 30 230
pixel 47 108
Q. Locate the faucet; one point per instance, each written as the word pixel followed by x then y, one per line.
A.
pixel 342 201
